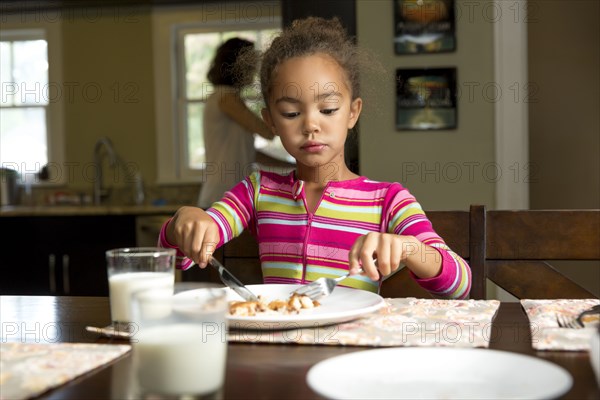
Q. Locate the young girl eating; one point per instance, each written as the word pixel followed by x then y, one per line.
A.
pixel 321 219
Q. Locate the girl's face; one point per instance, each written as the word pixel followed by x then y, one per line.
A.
pixel 311 109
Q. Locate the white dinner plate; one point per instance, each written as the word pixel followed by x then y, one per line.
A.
pixel 437 373
pixel 342 305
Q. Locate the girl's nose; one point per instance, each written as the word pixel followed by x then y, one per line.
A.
pixel 310 125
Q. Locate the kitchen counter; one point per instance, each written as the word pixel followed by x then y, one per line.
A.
pixel 49 211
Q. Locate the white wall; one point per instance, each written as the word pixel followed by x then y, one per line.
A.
pixel 448 169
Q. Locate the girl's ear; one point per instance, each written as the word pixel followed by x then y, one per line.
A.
pixel 355 109
pixel 266 115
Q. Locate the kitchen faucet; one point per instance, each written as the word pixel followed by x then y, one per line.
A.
pixel 114 161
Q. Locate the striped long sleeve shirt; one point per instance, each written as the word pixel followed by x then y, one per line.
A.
pixel 296 246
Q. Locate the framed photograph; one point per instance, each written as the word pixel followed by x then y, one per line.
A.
pixel 424 26
pixel 426 99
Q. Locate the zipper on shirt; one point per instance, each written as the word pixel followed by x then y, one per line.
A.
pixel 305 247
pixel 308 228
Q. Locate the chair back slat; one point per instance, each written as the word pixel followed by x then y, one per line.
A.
pixel 453 226
pixel 401 284
pixel 534 280
pixel 543 235
pixel 477 249
pixel 521 246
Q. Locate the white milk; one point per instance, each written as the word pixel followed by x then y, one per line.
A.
pixel 121 287
pixel 184 358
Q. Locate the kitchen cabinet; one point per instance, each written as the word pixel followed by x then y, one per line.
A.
pixel 60 255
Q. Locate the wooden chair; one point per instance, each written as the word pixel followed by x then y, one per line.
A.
pixel 519 244
pixel 511 248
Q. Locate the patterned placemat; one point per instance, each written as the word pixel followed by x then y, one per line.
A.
pixel 545 332
pixel 27 370
pixel 402 322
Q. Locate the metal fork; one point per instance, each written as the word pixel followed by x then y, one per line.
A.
pixel 567 321
pixel 322 287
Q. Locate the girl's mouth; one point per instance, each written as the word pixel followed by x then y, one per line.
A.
pixel 313 147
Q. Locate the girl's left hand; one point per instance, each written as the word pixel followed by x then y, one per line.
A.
pixel 388 249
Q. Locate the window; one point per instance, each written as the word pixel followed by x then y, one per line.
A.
pixel 197 49
pixel 24 99
pixel 31 103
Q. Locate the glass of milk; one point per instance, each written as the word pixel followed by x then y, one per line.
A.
pixel 180 348
pixel 133 269
pixel 595 353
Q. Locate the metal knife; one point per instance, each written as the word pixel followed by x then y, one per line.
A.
pixel 231 281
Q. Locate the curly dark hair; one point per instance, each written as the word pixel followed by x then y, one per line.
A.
pixel 310 36
pixel 223 69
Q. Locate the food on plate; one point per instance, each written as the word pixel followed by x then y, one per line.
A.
pixel 293 305
pixel 591 319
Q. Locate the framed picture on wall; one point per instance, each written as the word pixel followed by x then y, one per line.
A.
pixel 424 26
pixel 426 99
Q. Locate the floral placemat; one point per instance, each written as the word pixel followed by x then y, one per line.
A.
pixel 27 370
pixel 402 322
pixel 545 332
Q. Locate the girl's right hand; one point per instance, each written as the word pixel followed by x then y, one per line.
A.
pixel 195 233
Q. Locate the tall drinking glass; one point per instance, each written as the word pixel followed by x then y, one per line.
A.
pixel 180 348
pixel 133 269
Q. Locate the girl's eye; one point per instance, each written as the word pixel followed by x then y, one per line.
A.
pixel 290 114
pixel 329 111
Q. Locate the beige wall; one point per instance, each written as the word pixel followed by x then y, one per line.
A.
pixel 107 61
pixel 564 117
pixel 453 167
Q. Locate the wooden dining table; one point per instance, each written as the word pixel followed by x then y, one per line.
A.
pixel 254 371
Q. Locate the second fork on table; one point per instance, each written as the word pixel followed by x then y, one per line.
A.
pixel 566 321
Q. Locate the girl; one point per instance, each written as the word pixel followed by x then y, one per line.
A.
pixel 321 219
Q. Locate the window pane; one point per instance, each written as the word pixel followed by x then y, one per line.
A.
pixel 23 138
pixel 199 52
pixel 30 71
pixel 265 37
pixel 195 138
pixel 5 74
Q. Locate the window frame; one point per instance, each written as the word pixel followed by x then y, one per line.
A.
pixel 15 28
